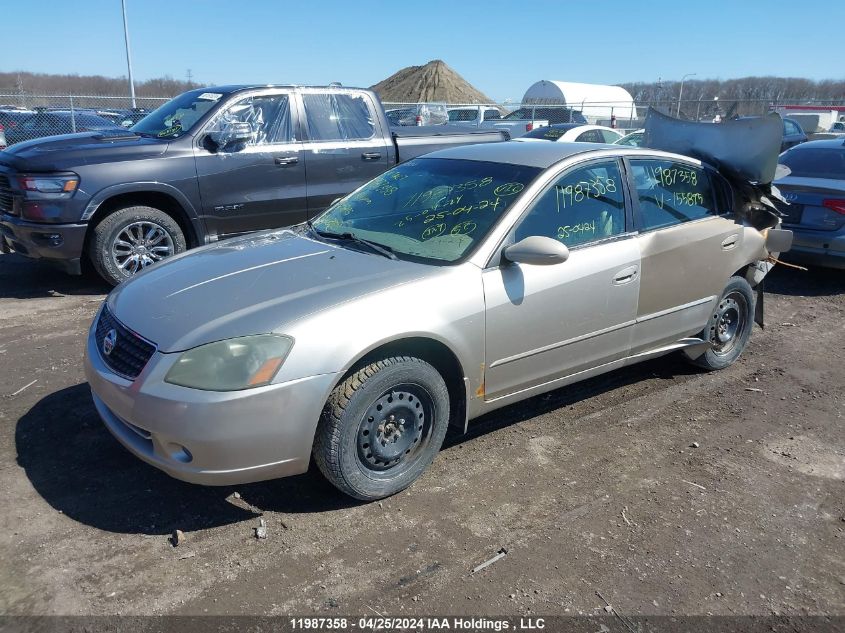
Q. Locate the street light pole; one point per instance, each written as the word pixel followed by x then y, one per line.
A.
pixel 128 55
pixel 681 92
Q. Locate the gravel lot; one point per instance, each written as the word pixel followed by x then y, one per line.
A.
pixel 665 490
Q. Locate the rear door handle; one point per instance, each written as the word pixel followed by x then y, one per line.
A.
pixel 286 161
pixel 626 275
pixel 371 155
pixel 729 242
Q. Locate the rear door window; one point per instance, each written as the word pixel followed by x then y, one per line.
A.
pixel 590 136
pixel 671 193
pixel 492 114
pixel 338 117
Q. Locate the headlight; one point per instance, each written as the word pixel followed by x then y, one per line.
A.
pixel 49 184
pixel 231 365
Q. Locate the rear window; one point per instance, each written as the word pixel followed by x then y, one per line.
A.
pixel 550 114
pixel 549 133
pixel 815 162
pixel 463 115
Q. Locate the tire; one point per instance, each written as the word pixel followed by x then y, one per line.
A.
pixel 730 326
pixel 364 443
pixel 116 260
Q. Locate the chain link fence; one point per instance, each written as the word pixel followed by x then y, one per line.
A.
pixel 26 116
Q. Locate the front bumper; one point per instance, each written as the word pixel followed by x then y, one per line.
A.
pixel 61 244
pixel 206 437
pixel 817 248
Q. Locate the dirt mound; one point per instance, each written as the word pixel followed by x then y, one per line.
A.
pixel 433 82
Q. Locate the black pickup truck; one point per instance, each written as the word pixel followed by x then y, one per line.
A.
pixel 209 164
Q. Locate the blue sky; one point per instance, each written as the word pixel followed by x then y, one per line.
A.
pixel 500 47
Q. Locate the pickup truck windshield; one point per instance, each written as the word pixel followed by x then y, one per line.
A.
pixel 431 208
pixel 177 116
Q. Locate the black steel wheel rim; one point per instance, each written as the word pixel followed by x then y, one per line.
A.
pixel 395 430
pixel 729 322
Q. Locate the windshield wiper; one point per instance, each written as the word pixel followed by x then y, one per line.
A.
pixel 378 248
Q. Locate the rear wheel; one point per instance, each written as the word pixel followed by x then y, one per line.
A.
pixel 382 427
pixel 730 326
pixel 128 240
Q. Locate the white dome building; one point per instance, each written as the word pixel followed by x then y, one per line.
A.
pixel 595 101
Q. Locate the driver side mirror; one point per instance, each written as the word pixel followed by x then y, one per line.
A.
pixel 231 133
pixel 537 250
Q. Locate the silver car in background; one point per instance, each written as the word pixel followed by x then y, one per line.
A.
pixel 448 287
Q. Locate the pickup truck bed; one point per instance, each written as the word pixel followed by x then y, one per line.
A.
pixel 415 141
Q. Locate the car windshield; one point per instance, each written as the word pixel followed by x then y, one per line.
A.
pixel 815 162
pixel 177 116
pixel 634 139
pixel 430 208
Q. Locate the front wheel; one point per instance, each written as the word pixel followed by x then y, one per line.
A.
pixel 128 240
pixel 382 427
pixel 729 328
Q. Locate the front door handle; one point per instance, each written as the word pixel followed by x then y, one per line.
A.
pixel 626 275
pixel 286 161
pixel 371 155
pixel 729 242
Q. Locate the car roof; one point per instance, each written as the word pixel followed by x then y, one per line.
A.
pixel 825 143
pixel 540 155
pixel 232 88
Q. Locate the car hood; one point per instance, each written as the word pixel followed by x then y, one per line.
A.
pixel 67 151
pixel 249 285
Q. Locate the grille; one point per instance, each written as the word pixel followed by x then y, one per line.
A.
pixel 5 195
pixel 130 353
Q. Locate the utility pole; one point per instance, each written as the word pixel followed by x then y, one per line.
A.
pixel 128 54
pixel 190 78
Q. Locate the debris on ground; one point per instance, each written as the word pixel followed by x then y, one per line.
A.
pixel 499 555
pixel 261 530
pixel 22 389
pixel 236 500
pixel 694 445
pixel 177 538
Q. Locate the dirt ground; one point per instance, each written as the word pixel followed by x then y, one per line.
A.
pixel 663 489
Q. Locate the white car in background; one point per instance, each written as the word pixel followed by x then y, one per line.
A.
pixel 573 133
pixel 473 116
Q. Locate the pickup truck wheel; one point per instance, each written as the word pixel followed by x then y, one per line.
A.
pixel 130 239
pixel 730 326
pixel 382 427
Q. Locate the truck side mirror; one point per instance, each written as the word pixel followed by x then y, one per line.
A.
pixel 231 133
